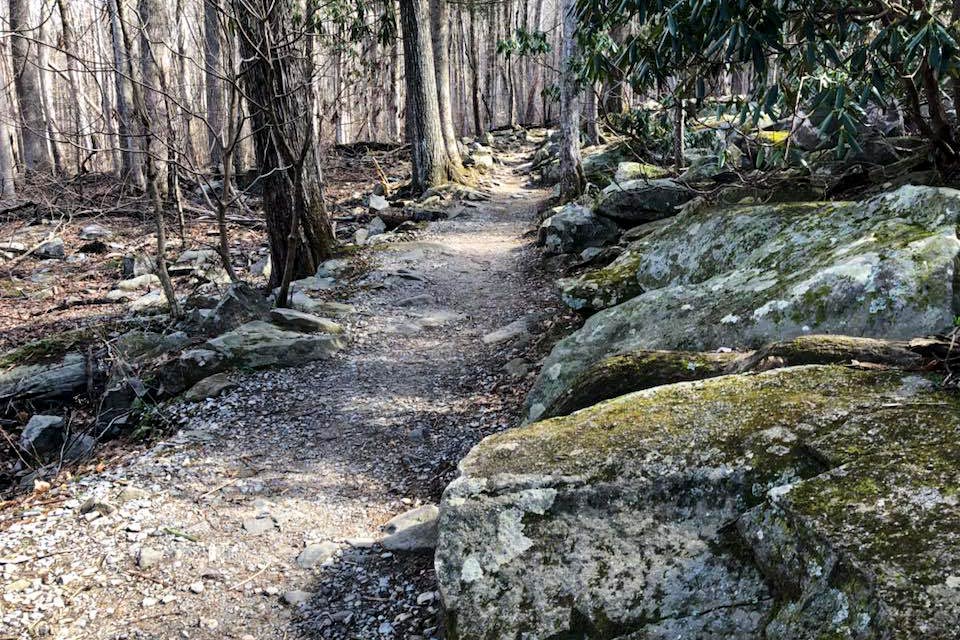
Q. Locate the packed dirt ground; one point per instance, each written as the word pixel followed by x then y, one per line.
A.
pixel 256 515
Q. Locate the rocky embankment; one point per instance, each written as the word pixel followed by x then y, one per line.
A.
pixel 750 437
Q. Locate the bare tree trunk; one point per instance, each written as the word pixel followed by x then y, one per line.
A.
pixel 432 164
pixel 155 37
pixel 441 54
pixel 475 73
pixel 590 116
pixel 50 116
pixel 127 130
pixel 26 75
pixel 571 170
pixel 87 141
pixel 395 115
pixel 149 164
pixel 212 57
pixel 278 75
pixel 613 88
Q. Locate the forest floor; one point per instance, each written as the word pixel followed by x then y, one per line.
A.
pixel 198 536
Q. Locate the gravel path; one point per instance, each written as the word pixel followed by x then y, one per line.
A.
pixel 199 536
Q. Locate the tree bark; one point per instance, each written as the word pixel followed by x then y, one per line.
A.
pixel 87 141
pixel 213 66
pixel 441 53
pixel 590 117
pixel 26 76
pixel 132 169
pixel 475 73
pixel 432 165
pixel 571 170
pixel 277 72
pixel 155 38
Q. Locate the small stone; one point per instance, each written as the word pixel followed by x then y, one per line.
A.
pixel 210 387
pixel 196 587
pixel 376 227
pixel 385 629
pixel 51 249
pixel 100 506
pixel 414 530
pixel 378 204
pixel 258 526
pixel 425 598
pixel 149 557
pixel 294 598
pixel 517 368
pixel 128 494
pixel 148 602
pixel 316 554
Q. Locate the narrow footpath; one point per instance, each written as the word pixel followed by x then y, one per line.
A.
pixel 203 534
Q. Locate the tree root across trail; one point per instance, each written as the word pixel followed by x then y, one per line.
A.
pixel 256 519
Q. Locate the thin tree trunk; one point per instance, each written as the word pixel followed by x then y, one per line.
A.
pixel 278 76
pixel 149 164
pixel 475 73
pixel 132 169
pixel 154 65
pixel 87 141
pixel 26 75
pixel 441 55
pixel 571 171
pixel 212 58
pixel 590 117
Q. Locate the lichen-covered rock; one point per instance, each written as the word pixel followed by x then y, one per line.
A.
pixel 803 503
pixel 627 171
pixel 635 371
pixel 605 287
pixel 644 369
pixel 741 276
pixel 260 344
pixel 572 228
pixel 643 200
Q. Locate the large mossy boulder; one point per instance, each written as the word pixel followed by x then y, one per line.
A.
pixel 804 503
pixel 741 276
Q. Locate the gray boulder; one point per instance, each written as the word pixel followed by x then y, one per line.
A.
pixel 42 435
pixel 643 200
pixel 415 530
pixel 52 249
pixel 260 344
pixel 240 303
pixel 740 276
pixel 572 228
pixel 810 502
pixel 300 321
pixel 44 382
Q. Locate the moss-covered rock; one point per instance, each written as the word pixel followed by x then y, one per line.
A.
pixel 635 371
pixel 638 370
pixel 808 502
pixel 742 276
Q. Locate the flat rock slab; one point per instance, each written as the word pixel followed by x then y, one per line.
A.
pixel 305 322
pixel 210 387
pixel 260 344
